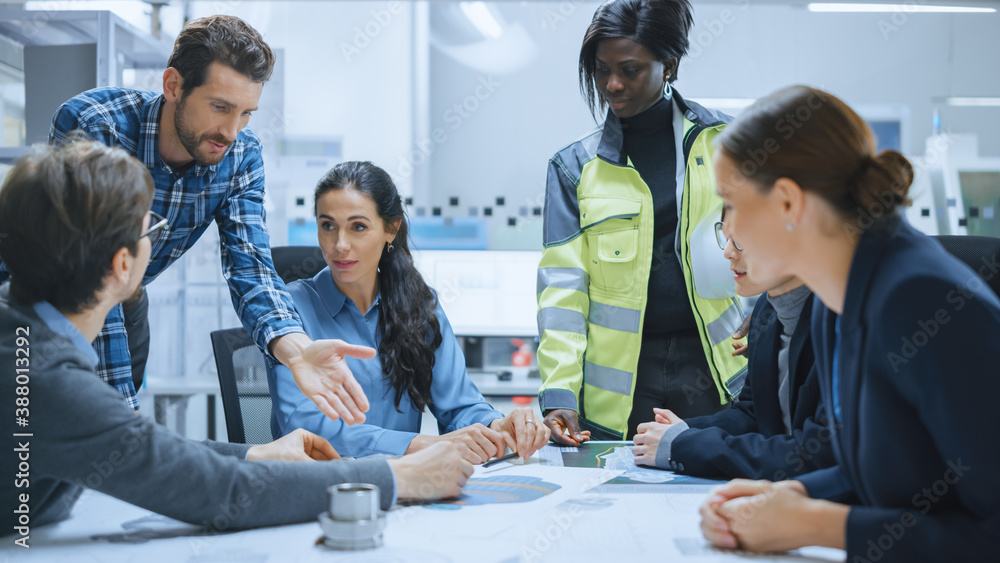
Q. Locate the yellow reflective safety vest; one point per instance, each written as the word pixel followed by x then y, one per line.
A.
pixel 594 273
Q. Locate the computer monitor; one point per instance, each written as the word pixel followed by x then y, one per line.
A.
pixel 891 124
pixel 965 195
pixel 484 292
pixel 979 186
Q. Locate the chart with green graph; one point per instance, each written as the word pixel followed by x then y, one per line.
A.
pixel 616 456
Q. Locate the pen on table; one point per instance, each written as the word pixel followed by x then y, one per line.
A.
pixel 497 460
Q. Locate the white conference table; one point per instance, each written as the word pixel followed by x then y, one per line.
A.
pixel 603 527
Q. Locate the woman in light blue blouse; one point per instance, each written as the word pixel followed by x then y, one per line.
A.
pixel 371 294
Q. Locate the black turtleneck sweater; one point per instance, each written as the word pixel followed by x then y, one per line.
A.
pixel 649 143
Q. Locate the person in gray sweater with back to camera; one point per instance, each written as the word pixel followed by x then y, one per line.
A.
pixel 76 232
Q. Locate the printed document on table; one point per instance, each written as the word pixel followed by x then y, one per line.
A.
pixel 496 498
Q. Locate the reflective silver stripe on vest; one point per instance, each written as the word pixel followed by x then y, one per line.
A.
pixel 724 326
pixel 565 278
pixel 615 318
pixel 550 399
pixel 554 318
pixel 609 379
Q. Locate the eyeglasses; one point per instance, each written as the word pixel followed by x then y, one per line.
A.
pixel 721 237
pixel 157 224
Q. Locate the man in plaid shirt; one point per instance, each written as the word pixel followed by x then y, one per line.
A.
pixel 207 167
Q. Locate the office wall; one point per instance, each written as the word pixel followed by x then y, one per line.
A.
pixel 863 58
pixel 347 71
pixel 503 122
pixel 739 49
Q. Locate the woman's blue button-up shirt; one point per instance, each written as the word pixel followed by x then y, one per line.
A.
pixel 327 313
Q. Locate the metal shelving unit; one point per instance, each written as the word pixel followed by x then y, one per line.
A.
pixel 118 46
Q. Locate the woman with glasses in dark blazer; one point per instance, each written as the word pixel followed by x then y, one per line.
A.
pixel 777 428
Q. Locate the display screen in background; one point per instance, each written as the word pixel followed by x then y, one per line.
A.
pixel 981 195
pixel 887 134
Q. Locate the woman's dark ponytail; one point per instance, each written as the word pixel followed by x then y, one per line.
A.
pixel 883 180
pixel 410 329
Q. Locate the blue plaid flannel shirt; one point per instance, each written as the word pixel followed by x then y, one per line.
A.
pixel 230 193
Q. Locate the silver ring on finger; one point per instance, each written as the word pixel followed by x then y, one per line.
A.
pixel 529 421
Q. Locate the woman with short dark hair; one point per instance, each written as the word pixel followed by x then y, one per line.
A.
pixel 622 330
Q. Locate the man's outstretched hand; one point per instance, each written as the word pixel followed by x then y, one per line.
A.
pixel 322 374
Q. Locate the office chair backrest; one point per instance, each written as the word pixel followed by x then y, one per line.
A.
pixel 982 254
pixel 240 363
pixel 246 400
pixel 297 262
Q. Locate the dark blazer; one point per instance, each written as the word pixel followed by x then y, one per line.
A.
pixel 918 443
pixel 749 440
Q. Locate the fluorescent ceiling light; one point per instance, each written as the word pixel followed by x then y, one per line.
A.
pixel 905 8
pixel 480 16
pixel 973 102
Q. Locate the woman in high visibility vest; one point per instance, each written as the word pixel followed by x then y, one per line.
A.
pixel 905 339
pixel 622 330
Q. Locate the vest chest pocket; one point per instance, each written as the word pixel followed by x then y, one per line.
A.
pixel 612 231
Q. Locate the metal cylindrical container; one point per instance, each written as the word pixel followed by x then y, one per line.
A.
pixel 355 519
